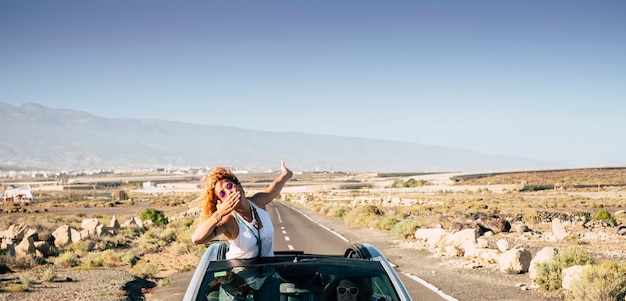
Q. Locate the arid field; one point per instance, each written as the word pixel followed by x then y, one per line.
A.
pixel 588 202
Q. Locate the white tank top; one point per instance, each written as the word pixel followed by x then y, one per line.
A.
pixel 245 245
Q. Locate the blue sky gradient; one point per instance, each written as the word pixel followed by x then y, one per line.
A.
pixel 539 79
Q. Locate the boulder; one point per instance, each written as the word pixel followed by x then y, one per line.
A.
pixel 8 247
pixel 133 222
pixel 65 235
pixel 462 239
pixel 558 229
pixel 483 254
pixel 26 247
pixel 43 247
pixel 521 228
pixel 430 236
pixel 15 232
pixel 114 224
pixel 499 225
pixel 503 245
pixel 515 261
pixel 570 275
pixel 544 255
pixel 90 225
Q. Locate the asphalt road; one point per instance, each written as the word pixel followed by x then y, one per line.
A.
pixel 295 231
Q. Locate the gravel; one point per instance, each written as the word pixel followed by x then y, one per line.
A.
pixel 85 285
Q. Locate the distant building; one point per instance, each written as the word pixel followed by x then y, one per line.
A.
pixel 21 194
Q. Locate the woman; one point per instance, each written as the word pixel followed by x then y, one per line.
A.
pixel 243 221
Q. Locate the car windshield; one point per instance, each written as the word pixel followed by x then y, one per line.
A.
pixel 296 278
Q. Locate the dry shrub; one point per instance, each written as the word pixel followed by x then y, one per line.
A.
pixel 339 212
pixel 48 275
pixel 406 228
pixel 92 260
pixel 14 288
pixel 144 270
pixel 387 223
pixel 317 207
pixel 549 274
pixel 67 260
pixel 361 216
pixel 23 262
pixel 606 281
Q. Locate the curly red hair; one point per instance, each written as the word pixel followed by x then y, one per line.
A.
pixel 208 201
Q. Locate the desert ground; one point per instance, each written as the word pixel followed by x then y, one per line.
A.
pixel 395 204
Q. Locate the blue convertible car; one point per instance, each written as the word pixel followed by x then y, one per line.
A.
pixel 362 272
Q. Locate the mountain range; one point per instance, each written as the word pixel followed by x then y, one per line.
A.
pixel 34 136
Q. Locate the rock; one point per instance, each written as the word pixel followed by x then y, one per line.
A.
pixel 43 247
pixel 15 232
pixel 451 251
pixel 503 245
pixel 499 225
pixel 26 247
pixel 570 275
pixel 544 255
pixel 114 224
pixel 430 236
pixel 521 228
pixel 483 254
pixel 133 222
pixel 558 229
pixel 482 243
pixel 8 247
pixel 515 261
pixel 464 237
pixel 65 235
pixel 90 225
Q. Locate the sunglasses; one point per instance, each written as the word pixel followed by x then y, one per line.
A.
pixel 342 290
pixel 222 193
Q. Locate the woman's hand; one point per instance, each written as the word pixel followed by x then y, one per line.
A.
pixel 285 171
pixel 226 206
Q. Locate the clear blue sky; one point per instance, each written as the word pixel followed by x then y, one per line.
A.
pixel 539 79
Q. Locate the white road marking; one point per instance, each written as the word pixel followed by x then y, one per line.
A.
pixel 319 224
pixel 430 286
pixel 284 232
pixel 290 247
pixel 280 219
pixel 287 238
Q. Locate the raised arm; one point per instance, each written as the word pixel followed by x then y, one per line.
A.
pixel 262 198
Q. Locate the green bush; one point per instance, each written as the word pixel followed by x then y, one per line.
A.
pixel 388 223
pixel 339 212
pixel 406 228
pixel 605 281
pixel 602 214
pixel 154 215
pixel 549 276
pixel 67 260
